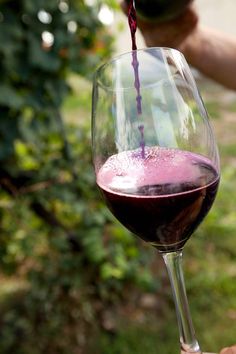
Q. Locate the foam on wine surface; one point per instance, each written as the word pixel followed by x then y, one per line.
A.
pixel 129 173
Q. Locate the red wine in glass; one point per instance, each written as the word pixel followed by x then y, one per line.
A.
pixel 158 200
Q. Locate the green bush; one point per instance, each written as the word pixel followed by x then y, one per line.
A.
pixel 60 248
pixel 73 264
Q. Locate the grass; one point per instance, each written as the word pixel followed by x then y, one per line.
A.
pixel 209 263
pixel 77 106
pixel 132 338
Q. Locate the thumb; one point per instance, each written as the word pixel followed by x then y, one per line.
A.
pixel 229 350
pixel 124 7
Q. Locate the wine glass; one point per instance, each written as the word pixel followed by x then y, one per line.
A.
pixel 155 157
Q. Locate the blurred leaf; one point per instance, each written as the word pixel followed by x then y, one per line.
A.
pixel 10 97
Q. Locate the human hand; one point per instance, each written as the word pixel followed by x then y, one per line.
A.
pixel 171 33
pixel 229 350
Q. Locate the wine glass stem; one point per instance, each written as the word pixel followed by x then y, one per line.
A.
pixel 173 262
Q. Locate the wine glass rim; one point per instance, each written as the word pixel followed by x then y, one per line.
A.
pixel 115 58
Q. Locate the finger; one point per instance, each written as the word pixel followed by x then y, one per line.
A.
pixel 224 350
pixel 124 7
pixel 229 350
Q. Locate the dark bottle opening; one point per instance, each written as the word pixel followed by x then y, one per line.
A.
pixel 160 10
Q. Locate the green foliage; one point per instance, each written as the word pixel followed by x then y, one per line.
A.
pixel 60 247
pixel 133 338
pixel 40 42
pixel 77 261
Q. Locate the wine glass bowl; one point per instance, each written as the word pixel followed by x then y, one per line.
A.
pixel 155 157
